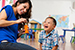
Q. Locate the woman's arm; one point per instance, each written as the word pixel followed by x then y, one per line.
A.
pixel 4 22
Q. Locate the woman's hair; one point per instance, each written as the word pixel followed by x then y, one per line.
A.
pixel 28 13
pixel 54 21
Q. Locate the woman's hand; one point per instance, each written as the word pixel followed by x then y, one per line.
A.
pixel 21 20
pixel 23 31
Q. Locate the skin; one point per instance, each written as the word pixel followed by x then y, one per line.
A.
pixel 55 47
pixel 40 46
pixel 22 8
pixel 48 27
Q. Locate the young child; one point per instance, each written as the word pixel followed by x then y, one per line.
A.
pixel 48 38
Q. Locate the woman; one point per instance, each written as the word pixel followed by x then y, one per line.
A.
pixel 9 20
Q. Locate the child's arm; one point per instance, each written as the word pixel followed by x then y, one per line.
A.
pixel 40 46
pixel 55 38
pixel 55 47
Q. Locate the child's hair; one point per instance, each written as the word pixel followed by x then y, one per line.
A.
pixel 54 21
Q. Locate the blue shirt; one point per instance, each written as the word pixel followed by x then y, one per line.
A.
pixel 48 41
pixel 9 33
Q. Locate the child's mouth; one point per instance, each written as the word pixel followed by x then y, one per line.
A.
pixel 46 26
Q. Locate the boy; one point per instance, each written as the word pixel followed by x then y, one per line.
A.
pixel 48 38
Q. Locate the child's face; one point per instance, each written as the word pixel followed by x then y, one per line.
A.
pixel 48 25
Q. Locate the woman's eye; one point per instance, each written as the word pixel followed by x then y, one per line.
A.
pixel 24 6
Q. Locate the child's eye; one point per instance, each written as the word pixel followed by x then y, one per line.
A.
pixel 48 22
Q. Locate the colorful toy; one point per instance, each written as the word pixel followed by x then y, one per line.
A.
pixel 35 25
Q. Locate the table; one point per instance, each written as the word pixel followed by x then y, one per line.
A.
pixel 69 30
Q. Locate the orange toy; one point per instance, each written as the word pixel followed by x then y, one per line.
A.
pixel 26 28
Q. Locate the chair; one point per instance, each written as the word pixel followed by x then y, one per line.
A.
pixel 62 37
pixel 30 34
pixel 72 39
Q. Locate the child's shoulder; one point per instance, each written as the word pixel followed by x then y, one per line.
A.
pixel 55 34
pixel 55 31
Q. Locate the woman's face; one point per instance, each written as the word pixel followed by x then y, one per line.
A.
pixel 22 8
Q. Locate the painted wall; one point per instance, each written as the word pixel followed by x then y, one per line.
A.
pixel 42 9
pixel 6 2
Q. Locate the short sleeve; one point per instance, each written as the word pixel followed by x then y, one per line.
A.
pixel 40 37
pixel 55 38
pixel 7 10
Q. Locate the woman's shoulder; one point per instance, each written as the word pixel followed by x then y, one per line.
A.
pixel 8 10
pixel 7 7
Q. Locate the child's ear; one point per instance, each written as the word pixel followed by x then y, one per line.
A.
pixel 54 26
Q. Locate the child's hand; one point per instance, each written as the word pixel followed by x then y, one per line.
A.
pixel 37 48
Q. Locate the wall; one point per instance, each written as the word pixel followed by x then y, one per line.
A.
pixel 6 2
pixel 42 9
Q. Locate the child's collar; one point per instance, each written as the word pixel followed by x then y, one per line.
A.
pixel 51 33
